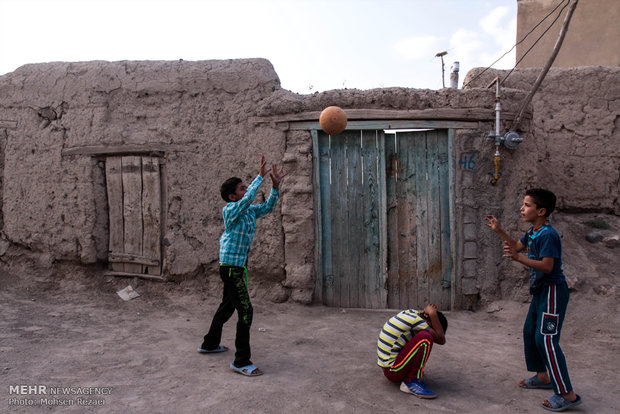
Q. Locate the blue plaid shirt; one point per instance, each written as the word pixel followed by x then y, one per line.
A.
pixel 240 224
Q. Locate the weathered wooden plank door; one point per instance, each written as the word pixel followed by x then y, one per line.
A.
pixel 134 206
pixel 385 219
pixel 420 240
pixel 351 180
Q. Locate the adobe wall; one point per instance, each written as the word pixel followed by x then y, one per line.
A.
pixel 201 117
pixel 574 134
pixel 571 146
pixel 54 205
pixel 300 247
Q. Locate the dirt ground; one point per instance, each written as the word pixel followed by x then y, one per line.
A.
pixel 72 330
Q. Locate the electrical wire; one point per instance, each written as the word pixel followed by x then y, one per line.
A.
pixel 534 44
pixel 523 39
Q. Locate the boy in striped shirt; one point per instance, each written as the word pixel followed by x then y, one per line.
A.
pixel 405 344
pixel 239 227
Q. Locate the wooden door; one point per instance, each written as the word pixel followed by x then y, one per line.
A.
pixel 351 181
pixel 419 203
pixel 134 205
pixel 384 219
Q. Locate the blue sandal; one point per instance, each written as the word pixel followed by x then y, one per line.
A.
pixel 248 370
pixel 559 403
pixel 534 383
pixel 220 348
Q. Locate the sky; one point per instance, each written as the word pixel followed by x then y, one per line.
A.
pixel 314 45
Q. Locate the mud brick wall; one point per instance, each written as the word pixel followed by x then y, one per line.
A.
pixel 58 120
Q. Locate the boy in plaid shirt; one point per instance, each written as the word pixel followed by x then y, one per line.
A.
pixel 240 225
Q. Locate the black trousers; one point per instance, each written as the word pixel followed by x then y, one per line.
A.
pixel 235 297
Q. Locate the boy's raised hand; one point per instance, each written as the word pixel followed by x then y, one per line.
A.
pixel 263 166
pixel 277 176
pixel 492 222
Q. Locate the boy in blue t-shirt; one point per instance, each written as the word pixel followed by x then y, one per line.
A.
pixel 543 324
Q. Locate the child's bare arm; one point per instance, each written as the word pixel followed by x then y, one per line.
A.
pixel 493 223
pixel 545 265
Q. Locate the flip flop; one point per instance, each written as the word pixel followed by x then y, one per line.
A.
pixel 535 383
pixel 559 403
pixel 220 348
pixel 248 370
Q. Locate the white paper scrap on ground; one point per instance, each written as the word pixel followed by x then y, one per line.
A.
pixel 128 293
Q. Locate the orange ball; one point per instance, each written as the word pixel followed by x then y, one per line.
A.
pixel 333 120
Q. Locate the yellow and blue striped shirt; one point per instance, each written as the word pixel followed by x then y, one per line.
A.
pixel 396 333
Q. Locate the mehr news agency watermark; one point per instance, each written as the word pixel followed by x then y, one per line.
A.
pixel 45 395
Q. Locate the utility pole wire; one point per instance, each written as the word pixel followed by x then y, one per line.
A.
pixel 519 42
pixel 543 73
pixel 537 40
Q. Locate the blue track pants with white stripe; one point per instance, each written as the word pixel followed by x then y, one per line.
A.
pixel 541 335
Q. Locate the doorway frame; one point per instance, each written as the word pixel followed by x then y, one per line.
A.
pixel 451 126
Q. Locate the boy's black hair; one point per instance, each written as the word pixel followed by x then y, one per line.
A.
pixel 543 199
pixel 228 187
pixel 443 321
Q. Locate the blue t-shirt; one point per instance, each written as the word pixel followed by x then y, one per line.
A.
pixel 544 242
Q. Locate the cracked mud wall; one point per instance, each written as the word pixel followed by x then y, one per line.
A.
pixel 574 136
pixel 63 117
pixel 57 120
pixel 571 146
pixel 193 114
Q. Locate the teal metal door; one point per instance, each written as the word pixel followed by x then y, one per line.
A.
pixel 384 218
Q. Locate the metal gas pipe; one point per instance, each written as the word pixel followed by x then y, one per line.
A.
pixel 497 136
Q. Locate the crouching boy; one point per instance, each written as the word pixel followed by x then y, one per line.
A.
pixel 404 345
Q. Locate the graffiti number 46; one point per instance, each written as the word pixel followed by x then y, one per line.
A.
pixel 468 162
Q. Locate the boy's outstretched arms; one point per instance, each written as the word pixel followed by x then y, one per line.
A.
pixel 436 328
pixel 493 223
pixel 512 248
pixel 276 178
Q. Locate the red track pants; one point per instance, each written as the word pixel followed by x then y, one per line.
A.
pixel 409 364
